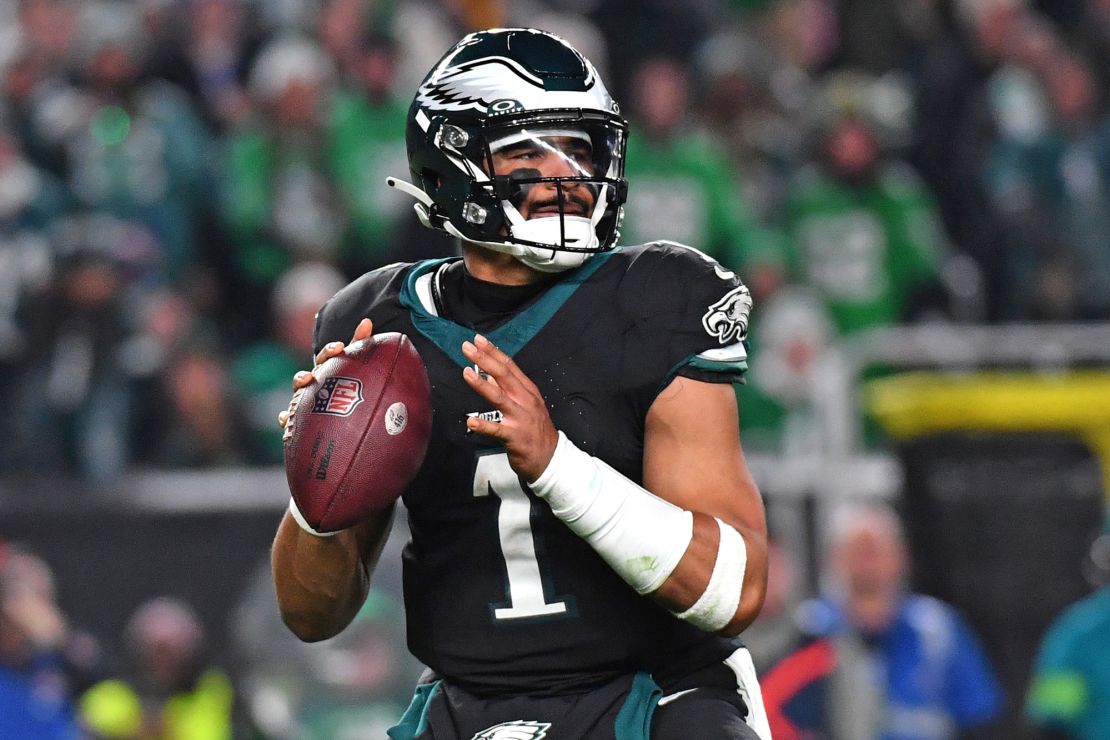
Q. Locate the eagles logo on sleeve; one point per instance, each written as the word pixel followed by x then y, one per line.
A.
pixel 727 319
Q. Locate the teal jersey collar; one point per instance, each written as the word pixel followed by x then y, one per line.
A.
pixel 510 336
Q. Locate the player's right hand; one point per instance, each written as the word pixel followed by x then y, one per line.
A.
pixel 303 378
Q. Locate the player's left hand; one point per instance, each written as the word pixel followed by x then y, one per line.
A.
pixel 525 428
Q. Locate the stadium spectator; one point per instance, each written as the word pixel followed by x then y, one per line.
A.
pixel 865 231
pixel 44 663
pixel 752 101
pixel 31 201
pixel 262 369
pixel 639 30
pixel 743 111
pixel 879 662
pixel 684 191
pixel 172 692
pixel 278 200
pixel 200 425
pixel 205 50
pixel 74 391
pixel 43 108
pixel 140 151
pixel 366 143
pixel 778 404
pixel 344 27
pixel 974 87
pixel 1069 693
pixel 1048 178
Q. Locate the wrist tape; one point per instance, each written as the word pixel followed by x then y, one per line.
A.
pixel 717 605
pixel 299 518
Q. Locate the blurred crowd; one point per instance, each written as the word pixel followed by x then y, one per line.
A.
pixel 183 182
pixel 864 657
pixel 57 683
pixel 163 678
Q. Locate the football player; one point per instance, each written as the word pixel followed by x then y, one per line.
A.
pixel 586 539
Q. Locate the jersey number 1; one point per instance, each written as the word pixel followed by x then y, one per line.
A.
pixel 514 527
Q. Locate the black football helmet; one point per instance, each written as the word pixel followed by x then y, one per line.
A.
pixel 499 88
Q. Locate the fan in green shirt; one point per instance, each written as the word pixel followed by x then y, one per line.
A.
pixel 865 233
pixel 308 181
pixel 684 190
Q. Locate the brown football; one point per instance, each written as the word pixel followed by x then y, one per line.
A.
pixel 358 433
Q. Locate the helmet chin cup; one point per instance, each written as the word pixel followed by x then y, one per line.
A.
pixel 540 259
pixel 574 232
pixel 552 260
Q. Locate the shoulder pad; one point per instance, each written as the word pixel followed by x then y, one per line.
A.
pixel 702 307
pixel 359 299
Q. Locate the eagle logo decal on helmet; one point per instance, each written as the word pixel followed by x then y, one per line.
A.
pixel 727 319
pixel 479 85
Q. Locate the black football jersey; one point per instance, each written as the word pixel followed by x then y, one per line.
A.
pixel 500 596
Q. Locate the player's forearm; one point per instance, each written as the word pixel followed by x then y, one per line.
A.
pixel 691 579
pixel 321 582
pixel 701 568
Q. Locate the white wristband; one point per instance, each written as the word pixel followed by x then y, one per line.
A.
pixel 717 604
pixel 299 518
pixel 641 536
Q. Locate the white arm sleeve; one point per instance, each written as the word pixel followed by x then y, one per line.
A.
pixel 642 541
pixel 641 536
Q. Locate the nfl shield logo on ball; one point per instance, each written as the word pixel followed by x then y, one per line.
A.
pixel 338 396
pixel 396 417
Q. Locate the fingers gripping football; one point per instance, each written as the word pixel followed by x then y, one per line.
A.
pixel 525 428
pixel 360 434
pixel 304 378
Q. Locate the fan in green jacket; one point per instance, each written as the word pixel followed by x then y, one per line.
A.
pixel 865 233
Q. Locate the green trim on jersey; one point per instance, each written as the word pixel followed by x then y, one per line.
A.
pixel 511 336
pixel 414 721
pixel 733 367
pixel 727 370
pixel 634 719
